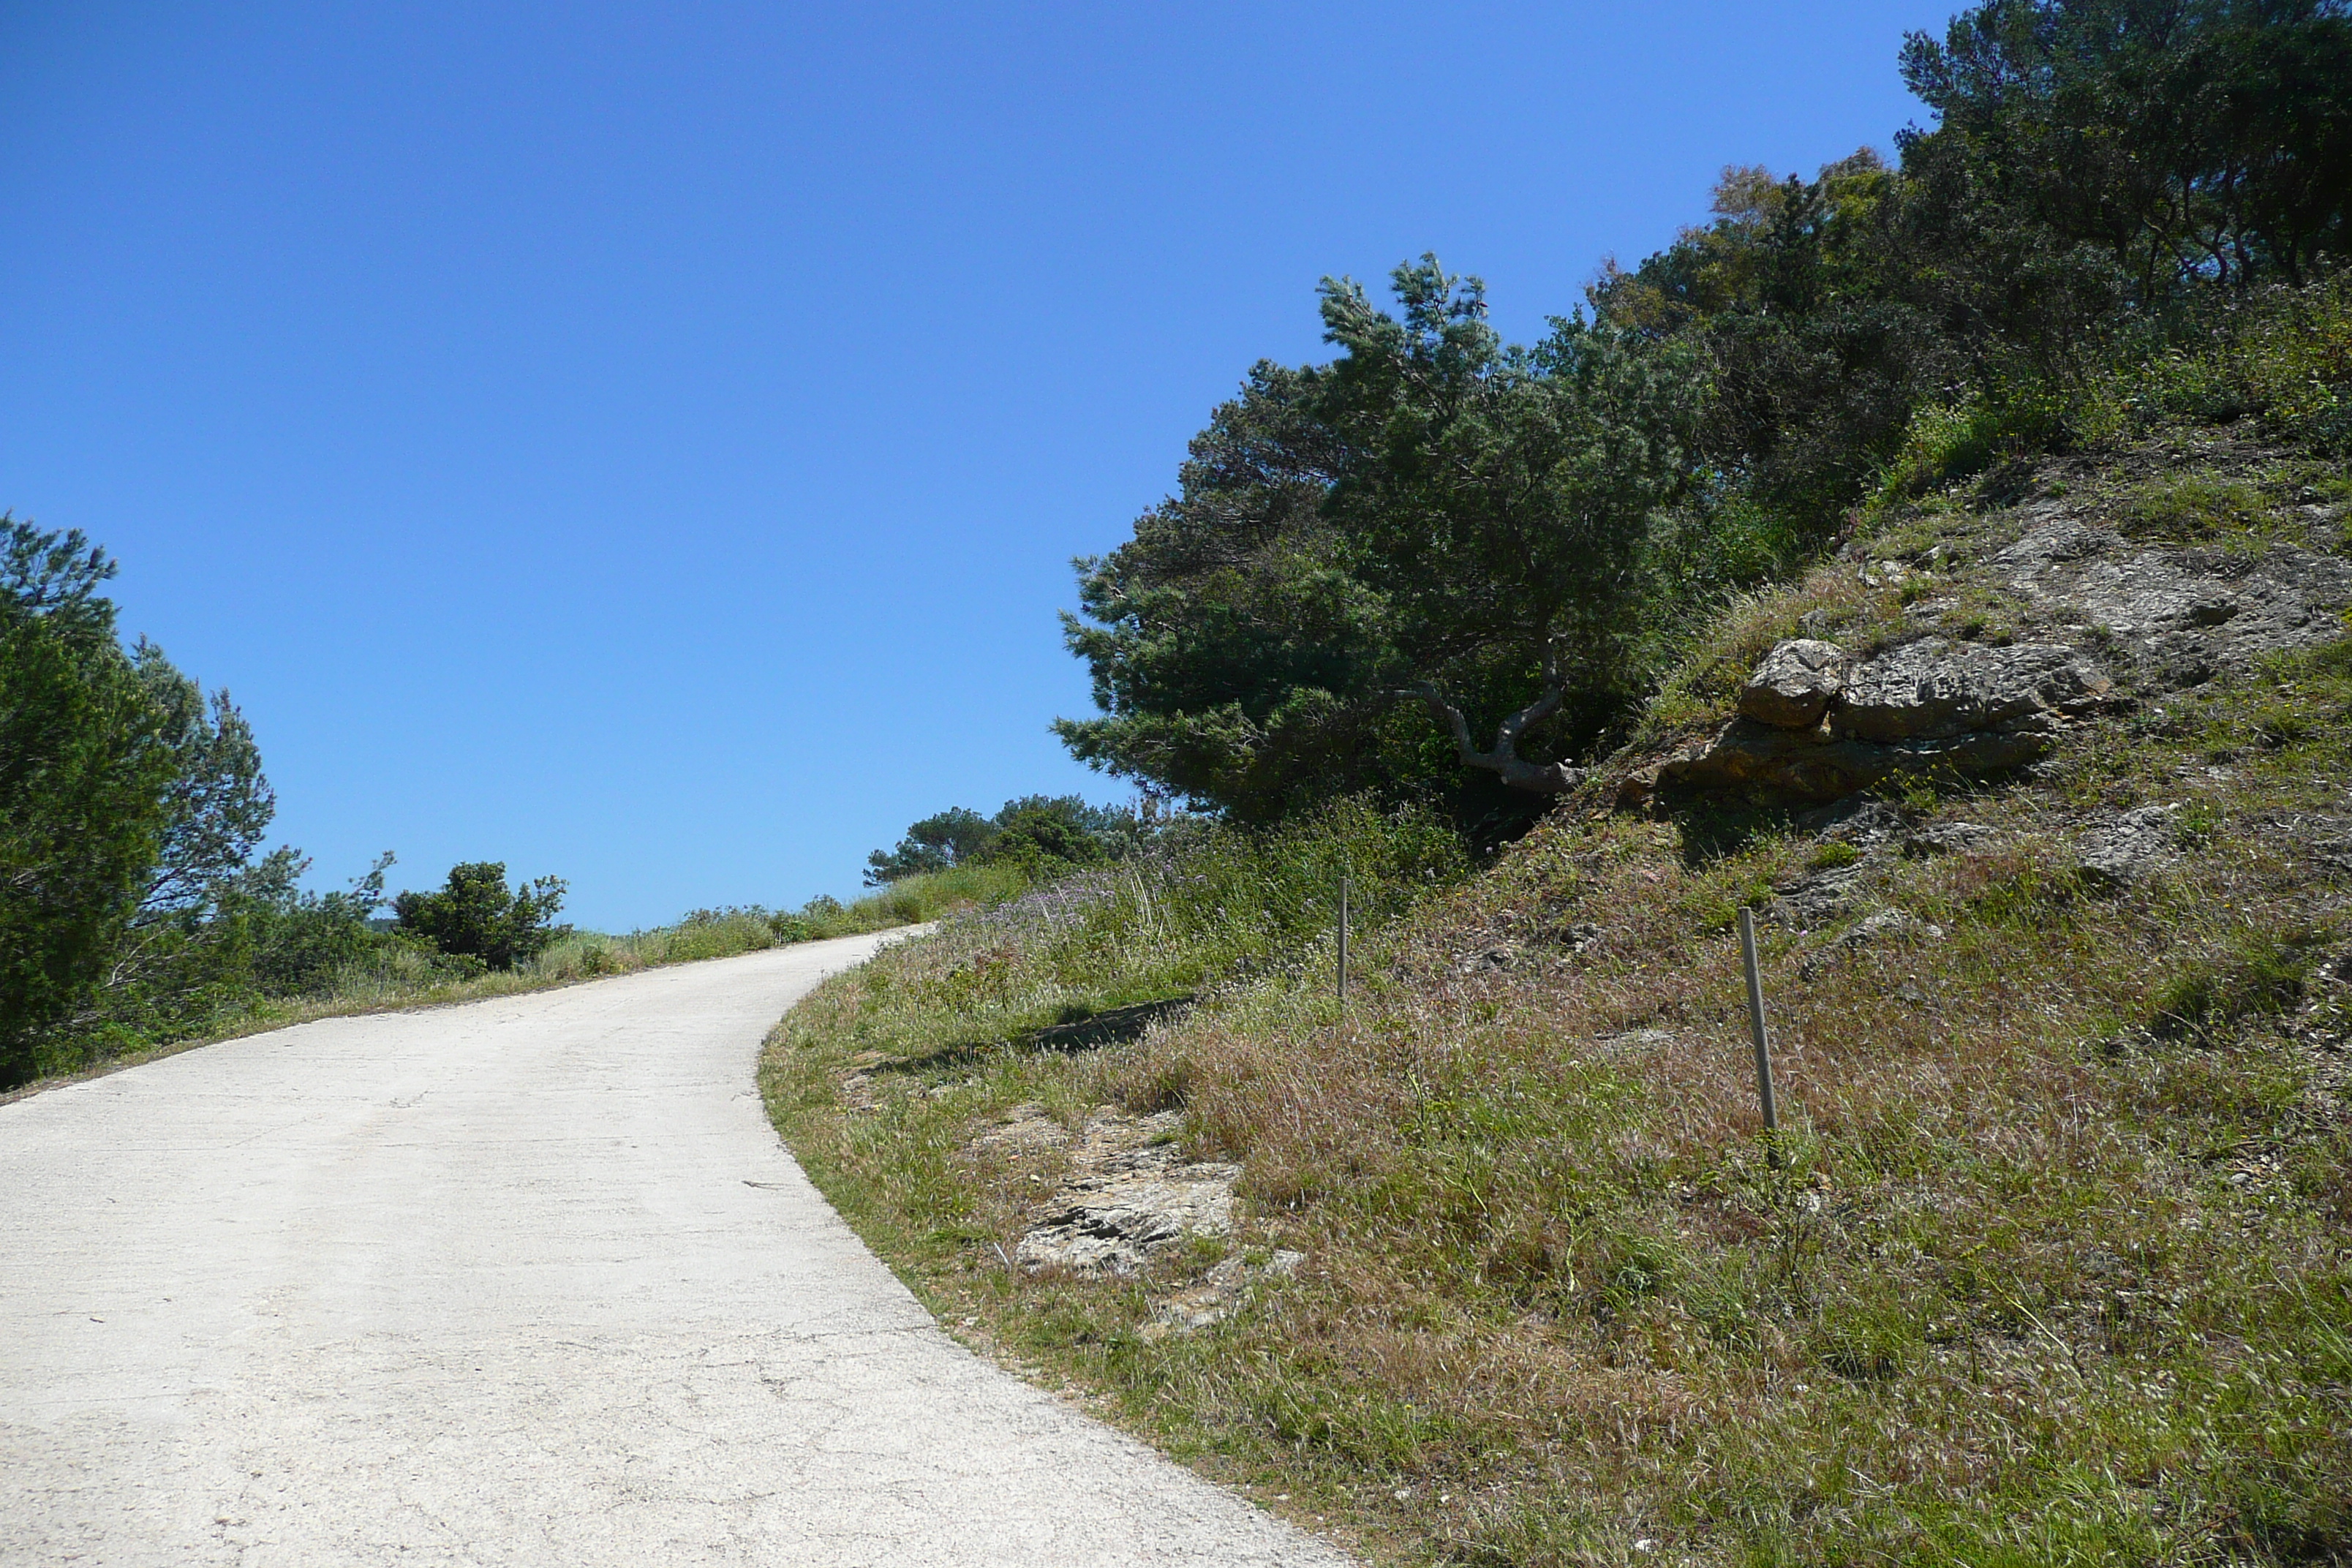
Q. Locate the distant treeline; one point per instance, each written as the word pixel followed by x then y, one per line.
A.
pixel 136 904
pixel 1449 567
pixel 1035 836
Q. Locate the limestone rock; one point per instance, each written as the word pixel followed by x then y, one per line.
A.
pixel 1795 684
pixel 1122 1201
pixel 1218 1295
pixel 1935 689
pixel 1948 838
pixel 1819 899
pixel 1927 706
pixel 1802 762
pixel 1859 820
pixel 2179 616
pixel 1025 1128
pixel 2125 848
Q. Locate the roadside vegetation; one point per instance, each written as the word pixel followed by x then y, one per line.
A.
pixel 385 972
pixel 2053 1269
pixel 2049 1262
pixel 311 965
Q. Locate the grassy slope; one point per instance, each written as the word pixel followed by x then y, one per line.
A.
pixel 2059 1268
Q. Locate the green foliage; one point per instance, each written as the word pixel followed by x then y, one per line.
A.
pixel 187 948
pixel 2261 974
pixel 1206 903
pixel 1833 854
pixel 84 773
pixel 302 942
pixel 2127 211
pixel 1947 442
pixel 2184 143
pixel 1040 834
pixel 946 839
pixel 2194 507
pixel 476 916
pixel 1436 516
pixel 2282 356
pixel 2006 1297
pixel 1043 837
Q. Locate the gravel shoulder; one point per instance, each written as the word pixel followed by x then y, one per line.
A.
pixel 525 1282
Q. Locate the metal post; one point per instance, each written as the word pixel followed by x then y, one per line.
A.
pixel 1343 943
pixel 1763 1039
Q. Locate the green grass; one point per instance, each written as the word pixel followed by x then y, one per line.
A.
pixel 2194 507
pixel 2056 1267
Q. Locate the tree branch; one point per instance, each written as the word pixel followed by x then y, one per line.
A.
pixel 1504 761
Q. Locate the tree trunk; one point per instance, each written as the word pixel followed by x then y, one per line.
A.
pixel 1504 761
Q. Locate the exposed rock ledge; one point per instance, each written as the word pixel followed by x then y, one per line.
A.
pixel 1130 1193
pixel 1815 723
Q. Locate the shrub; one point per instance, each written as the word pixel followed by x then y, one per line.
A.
pixel 475 915
pixel 1953 441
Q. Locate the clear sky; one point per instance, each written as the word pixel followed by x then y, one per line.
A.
pixel 645 443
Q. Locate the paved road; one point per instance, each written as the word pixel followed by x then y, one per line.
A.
pixel 525 1282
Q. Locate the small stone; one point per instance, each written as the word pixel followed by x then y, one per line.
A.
pixel 1947 838
pixel 2124 848
pixel 1857 820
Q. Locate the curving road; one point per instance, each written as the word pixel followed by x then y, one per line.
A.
pixel 525 1282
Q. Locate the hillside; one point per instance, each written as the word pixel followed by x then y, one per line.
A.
pixel 2040 796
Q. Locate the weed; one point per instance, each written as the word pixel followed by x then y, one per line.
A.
pixel 1830 855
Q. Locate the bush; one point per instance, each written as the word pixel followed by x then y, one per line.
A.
pixel 1955 441
pixel 476 916
pixel 2280 355
pixel 301 943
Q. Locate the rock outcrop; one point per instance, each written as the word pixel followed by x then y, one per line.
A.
pixel 1815 723
pixel 1937 691
pixel 2100 613
pixel 2124 848
pixel 2180 616
pixel 1128 1195
pixel 1795 684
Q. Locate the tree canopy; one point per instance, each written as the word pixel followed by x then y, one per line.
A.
pixel 1043 834
pixel 1438 525
pixel 1440 557
pixel 85 769
pixel 130 807
pixel 475 915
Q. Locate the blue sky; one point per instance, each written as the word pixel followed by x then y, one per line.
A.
pixel 646 443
